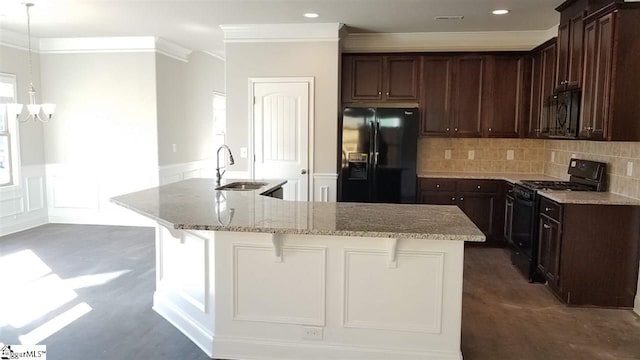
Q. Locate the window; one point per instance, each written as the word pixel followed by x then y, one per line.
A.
pixel 8 131
pixel 219 119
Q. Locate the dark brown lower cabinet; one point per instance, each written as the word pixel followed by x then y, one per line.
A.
pixel 589 253
pixel 478 199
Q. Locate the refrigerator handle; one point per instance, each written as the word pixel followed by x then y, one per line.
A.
pixel 376 150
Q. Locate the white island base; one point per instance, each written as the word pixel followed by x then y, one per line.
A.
pixel 242 295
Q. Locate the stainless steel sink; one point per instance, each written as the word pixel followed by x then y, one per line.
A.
pixel 242 186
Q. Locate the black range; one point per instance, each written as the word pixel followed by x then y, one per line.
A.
pixel 523 211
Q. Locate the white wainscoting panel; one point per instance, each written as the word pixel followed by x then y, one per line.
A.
pixel 261 282
pixel 75 190
pixel 325 187
pixel 24 206
pixel 410 303
pixel 177 172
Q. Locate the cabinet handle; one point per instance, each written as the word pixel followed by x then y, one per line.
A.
pixel 437 185
pixel 547 209
pixel 478 186
pixel 490 130
pixel 546 226
pixel 387 93
pixel 453 199
pixel 461 199
pixel 447 129
pixel 455 129
pixel 537 130
pixel 379 92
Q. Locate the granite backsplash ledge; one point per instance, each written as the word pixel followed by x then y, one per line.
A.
pixel 475 155
pixel 617 155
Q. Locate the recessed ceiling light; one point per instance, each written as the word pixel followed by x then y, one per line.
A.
pixel 449 17
pixel 500 12
pixel 311 15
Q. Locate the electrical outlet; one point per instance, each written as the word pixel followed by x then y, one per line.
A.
pixel 472 154
pixel 447 154
pixel 312 333
pixel 629 168
pixel 174 147
pixel 553 156
pixel 573 156
pixel 510 155
pixel 243 152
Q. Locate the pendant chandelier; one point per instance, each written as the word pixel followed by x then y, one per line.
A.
pixel 33 108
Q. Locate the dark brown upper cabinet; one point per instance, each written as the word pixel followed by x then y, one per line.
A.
pixel 507 86
pixel 543 77
pixel 379 78
pixel 610 106
pixel 452 95
pixel 570 41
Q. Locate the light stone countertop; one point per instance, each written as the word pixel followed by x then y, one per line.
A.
pixel 588 197
pixel 562 197
pixel 195 205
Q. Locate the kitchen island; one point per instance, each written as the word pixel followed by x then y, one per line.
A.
pixel 247 276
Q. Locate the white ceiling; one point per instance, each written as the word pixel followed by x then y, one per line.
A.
pixel 195 24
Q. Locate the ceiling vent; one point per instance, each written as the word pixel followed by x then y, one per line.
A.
pixel 449 17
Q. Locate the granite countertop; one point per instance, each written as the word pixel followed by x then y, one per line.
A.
pixel 195 205
pixel 588 197
pixel 512 178
pixel 562 197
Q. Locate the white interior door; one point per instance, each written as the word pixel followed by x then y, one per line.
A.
pixel 281 135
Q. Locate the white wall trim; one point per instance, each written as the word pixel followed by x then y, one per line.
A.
pixel 448 41
pixel 195 169
pixel 326 187
pixel 281 32
pixel 311 126
pixel 215 55
pixel 18 41
pixel 88 45
pixel 25 206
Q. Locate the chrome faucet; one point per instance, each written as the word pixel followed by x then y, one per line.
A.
pixel 231 162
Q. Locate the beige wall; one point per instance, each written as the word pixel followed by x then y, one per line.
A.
pixel 615 154
pixel 15 61
pixel 185 113
pixel 490 155
pixel 293 59
pixel 106 108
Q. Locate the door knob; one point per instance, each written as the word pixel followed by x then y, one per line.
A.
pixel 303 171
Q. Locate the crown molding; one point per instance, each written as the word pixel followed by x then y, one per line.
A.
pixel 130 44
pixel 219 56
pixel 18 41
pixel 281 32
pixel 448 41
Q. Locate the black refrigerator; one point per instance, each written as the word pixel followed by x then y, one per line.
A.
pixel 378 155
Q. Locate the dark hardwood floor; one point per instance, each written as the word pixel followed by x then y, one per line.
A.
pixel 110 270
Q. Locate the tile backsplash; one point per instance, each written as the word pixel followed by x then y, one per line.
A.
pixel 617 155
pixel 525 156
pixel 532 156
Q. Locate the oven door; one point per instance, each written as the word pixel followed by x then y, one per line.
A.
pixel 523 225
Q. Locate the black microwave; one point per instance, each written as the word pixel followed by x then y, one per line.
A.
pixel 563 113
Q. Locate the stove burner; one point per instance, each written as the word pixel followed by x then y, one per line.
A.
pixel 555 185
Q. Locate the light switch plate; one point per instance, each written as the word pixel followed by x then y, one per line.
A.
pixel 447 154
pixel 629 168
pixel 243 152
pixel 174 147
pixel 553 156
pixel 312 333
pixel 472 154
pixel 510 155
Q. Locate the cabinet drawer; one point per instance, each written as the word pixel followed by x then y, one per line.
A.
pixel 550 208
pixel 484 186
pixel 437 185
pixel 437 198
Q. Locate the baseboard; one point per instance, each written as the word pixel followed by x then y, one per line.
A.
pixel 183 322
pixel 24 223
pixel 260 349
pixel 636 307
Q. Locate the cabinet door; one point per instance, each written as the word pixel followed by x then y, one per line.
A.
pixel 602 93
pixel 366 77
pixel 480 209
pixel 436 95
pixel 468 95
pixel 507 96
pixel 535 111
pixel 549 250
pixel 401 77
pixel 437 198
pixel 589 79
pixel 575 51
pixel 548 84
pixel 563 54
